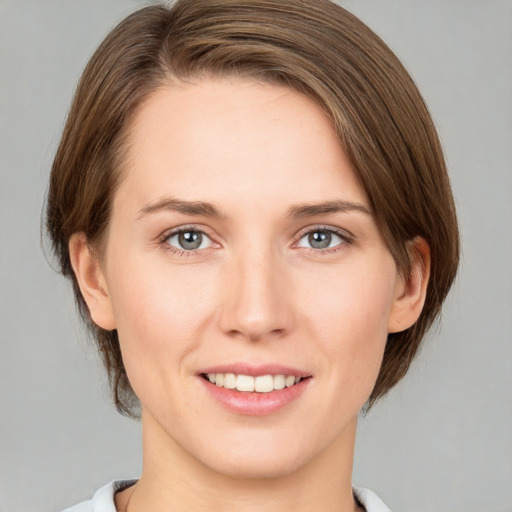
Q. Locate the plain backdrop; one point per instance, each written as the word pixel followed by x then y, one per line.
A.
pixel 441 441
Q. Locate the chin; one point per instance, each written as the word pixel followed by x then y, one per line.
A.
pixel 257 467
pixel 256 458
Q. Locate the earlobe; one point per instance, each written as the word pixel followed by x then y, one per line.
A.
pixel 91 282
pixel 410 293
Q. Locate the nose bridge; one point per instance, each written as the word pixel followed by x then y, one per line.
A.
pixel 256 301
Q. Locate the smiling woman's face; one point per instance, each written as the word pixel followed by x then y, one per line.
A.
pixel 241 246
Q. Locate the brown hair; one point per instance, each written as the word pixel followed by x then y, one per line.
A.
pixel 315 47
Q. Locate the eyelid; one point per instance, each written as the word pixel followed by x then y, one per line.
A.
pixel 346 236
pixel 343 233
pixel 186 227
pixel 169 233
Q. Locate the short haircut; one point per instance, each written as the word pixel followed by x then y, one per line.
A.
pixel 315 47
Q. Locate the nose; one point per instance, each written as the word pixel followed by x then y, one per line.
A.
pixel 257 298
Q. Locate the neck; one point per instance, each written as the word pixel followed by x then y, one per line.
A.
pixel 173 480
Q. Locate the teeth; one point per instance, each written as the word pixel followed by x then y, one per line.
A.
pixel 230 381
pixel 279 381
pixel 247 383
pixel 264 384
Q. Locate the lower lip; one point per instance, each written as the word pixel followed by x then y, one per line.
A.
pixel 256 404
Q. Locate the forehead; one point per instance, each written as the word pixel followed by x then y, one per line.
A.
pixel 219 139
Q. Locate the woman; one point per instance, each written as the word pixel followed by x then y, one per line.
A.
pixel 251 202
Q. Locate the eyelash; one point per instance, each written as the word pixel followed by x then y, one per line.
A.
pixel 164 239
pixel 346 239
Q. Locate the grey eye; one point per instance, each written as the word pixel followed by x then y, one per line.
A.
pixel 189 240
pixel 320 239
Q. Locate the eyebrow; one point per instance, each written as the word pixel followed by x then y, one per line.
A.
pixel 177 205
pixel 309 210
pixel 205 209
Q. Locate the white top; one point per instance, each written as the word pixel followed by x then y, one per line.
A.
pixel 103 499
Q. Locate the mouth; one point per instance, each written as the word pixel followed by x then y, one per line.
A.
pixel 252 384
pixel 255 389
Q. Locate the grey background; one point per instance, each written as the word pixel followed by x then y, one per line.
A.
pixel 442 441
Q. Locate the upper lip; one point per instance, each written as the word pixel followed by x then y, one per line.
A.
pixel 255 370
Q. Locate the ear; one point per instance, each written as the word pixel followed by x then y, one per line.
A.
pixel 410 293
pixel 91 281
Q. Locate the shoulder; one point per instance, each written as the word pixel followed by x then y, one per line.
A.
pixel 369 500
pixel 103 499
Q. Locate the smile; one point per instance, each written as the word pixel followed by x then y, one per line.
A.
pixel 248 383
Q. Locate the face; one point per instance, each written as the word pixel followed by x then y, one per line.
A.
pixel 242 253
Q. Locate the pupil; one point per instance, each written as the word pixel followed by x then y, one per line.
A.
pixel 320 239
pixel 190 239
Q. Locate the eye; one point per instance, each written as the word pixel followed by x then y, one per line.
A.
pixel 321 239
pixel 188 240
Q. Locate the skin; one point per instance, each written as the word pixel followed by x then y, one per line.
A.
pixel 256 291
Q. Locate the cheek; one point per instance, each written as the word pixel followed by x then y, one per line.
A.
pixel 159 315
pixel 351 302
pixel 158 296
pixel 348 316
